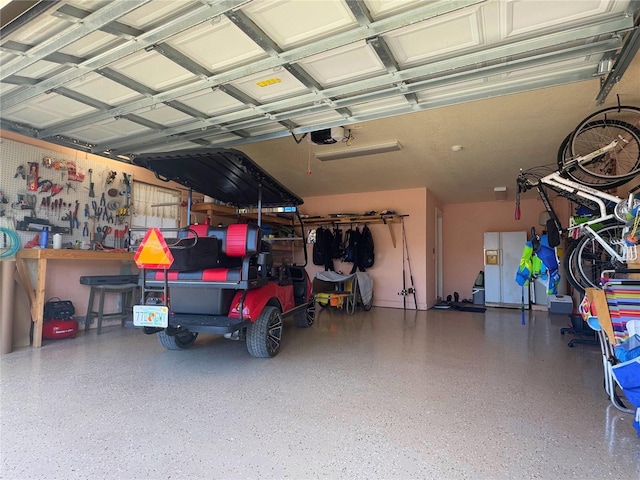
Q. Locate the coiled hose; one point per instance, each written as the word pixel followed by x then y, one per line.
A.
pixel 9 243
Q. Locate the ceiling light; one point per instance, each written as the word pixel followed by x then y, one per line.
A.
pixel 456 148
pixel 358 152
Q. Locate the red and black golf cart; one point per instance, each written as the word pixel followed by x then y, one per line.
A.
pixel 221 279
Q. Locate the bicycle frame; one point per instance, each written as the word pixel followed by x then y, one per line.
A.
pixel 594 154
pixel 557 182
pixel 560 184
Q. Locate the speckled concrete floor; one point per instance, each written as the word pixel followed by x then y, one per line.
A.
pixel 383 394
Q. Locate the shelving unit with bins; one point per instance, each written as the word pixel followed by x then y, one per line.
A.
pixel 213 209
pixel 287 249
pixel 284 249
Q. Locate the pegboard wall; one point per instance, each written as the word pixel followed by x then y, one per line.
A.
pixel 42 187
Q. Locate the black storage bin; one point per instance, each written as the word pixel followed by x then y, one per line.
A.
pixel 201 300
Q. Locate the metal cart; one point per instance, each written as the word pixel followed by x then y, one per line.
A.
pixel 344 291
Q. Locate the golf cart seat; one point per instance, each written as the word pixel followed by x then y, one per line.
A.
pixel 224 254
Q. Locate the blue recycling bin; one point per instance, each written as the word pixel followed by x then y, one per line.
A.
pixel 627 375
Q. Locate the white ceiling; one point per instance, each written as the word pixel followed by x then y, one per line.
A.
pixel 505 79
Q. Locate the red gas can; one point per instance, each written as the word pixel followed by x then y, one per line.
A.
pixel 56 328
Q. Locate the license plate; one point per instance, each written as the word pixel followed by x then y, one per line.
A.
pixel 150 316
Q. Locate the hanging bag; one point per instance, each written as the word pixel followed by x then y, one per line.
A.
pixel 366 254
pixel 318 247
pixel 349 249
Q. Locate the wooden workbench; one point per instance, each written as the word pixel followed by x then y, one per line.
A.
pixel 36 293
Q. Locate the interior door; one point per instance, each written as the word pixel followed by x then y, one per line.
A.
pixel 438 256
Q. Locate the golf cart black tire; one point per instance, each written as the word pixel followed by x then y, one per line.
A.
pixel 305 319
pixel 264 336
pixel 179 341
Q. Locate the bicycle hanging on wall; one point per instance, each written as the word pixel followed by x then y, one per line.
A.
pixel 602 153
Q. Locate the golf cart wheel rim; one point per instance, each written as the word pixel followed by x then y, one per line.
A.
pixel 274 333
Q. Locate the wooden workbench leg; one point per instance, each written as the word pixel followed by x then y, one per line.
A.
pixel 37 309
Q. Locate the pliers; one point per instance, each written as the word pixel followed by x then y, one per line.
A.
pixel 20 172
pixel 107 216
pixel 85 230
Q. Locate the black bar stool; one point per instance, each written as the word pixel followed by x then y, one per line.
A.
pixel 109 284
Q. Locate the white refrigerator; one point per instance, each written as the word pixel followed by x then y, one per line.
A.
pixel 502 253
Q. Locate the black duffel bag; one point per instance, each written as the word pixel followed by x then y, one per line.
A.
pixel 195 253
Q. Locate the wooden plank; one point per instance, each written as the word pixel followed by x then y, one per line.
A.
pixel 598 298
pixel 362 219
pixel 69 254
pixel 37 309
pixel 392 233
pixel 25 281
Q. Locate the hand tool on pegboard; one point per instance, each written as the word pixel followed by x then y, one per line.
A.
pixel 68 217
pixel 127 181
pixel 20 172
pixel 91 185
pixel 75 214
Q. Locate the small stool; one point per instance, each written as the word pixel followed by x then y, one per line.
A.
pixel 127 292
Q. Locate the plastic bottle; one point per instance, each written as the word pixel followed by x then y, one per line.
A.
pixel 44 237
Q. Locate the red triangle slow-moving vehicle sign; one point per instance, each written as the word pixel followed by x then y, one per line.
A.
pixel 153 251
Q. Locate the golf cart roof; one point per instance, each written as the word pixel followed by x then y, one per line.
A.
pixel 225 174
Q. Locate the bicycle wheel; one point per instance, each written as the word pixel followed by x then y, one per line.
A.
pixel 573 172
pixel 592 258
pixel 571 269
pixel 599 130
